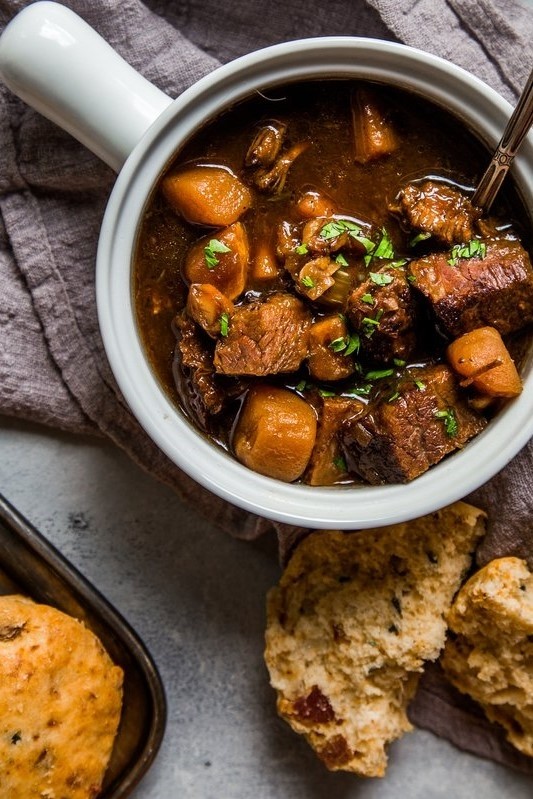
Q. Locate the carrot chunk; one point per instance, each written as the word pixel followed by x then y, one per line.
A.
pixel 484 362
pixel 328 341
pixel 275 433
pixel 207 195
pixel 374 136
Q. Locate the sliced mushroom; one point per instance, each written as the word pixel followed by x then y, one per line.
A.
pixel 315 277
pixel 273 179
pixel 266 145
pixel 207 306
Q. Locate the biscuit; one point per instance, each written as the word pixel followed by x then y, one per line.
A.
pixel 60 704
pixel 490 652
pixel 351 623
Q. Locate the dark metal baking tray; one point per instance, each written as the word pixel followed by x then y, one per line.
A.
pixel 30 565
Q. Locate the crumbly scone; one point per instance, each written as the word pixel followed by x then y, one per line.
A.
pixel 60 704
pixel 351 623
pixel 490 653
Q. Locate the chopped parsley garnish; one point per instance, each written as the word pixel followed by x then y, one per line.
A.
pixel 340 463
pixel 301 249
pixel 394 396
pixel 474 249
pixel 214 246
pixel 421 386
pixel 450 421
pixel 397 264
pixel 324 392
pixel 346 344
pixel 308 282
pixel 301 386
pixel 380 278
pixel 358 391
pixel 384 247
pixel 338 344
pixel 353 345
pixel 379 374
pixel 369 325
pixel 224 324
pixel 368 298
pixel 398 362
pixel 341 260
pixel 420 237
pixel 411 278
pixel 337 227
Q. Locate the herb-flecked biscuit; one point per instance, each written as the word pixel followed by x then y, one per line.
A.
pixel 60 704
pixel 352 622
pixel 490 653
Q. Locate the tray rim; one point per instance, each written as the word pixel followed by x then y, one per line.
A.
pixel 48 553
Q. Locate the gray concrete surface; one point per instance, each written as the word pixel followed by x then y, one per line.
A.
pixel 197 598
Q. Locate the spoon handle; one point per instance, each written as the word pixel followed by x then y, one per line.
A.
pixel 513 135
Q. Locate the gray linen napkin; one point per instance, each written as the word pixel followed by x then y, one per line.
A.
pixel 52 196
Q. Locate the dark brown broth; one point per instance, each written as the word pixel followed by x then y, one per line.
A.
pixel 432 143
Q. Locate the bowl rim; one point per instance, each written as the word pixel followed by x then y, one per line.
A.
pixel 344 507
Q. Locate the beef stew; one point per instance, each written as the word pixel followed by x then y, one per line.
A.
pixel 303 268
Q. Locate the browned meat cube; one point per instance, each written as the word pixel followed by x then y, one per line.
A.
pixel 493 287
pixel 327 465
pixel 382 310
pixel 437 209
pixel 397 441
pixel 197 361
pixel 265 338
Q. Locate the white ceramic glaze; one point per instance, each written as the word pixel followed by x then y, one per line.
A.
pixel 59 65
pixel 344 507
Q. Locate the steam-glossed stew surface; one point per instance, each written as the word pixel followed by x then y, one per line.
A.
pixel 316 293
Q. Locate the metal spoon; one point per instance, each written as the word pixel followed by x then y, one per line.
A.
pixel 513 135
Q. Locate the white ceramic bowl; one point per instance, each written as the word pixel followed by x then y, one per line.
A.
pixel 60 66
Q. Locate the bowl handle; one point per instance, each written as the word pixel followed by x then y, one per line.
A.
pixel 60 66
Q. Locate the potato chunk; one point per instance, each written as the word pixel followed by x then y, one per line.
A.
pixel 484 361
pixel 275 433
pixel 221 260
pixel 207 305
pixel 207 195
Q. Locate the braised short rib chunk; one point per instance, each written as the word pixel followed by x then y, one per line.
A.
pixel 397 441
pixel 196 359
pixel 494 287
pixel 437 209
pixel 265 338
pixel 382 310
